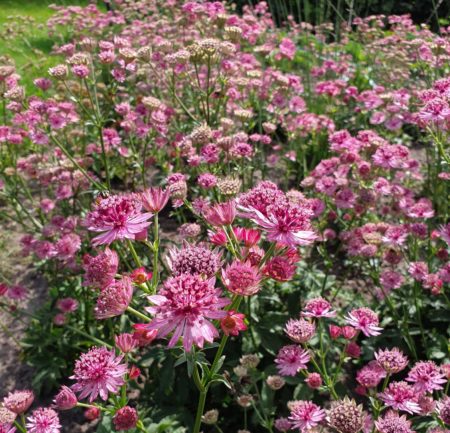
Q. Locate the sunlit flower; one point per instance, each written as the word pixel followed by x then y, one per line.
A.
pixel 43 420
pixel 426 377
pixel 400 396
pixel 241 278
pixel 291 359
pixel 365 320
pixel 305 415
pixel 114 299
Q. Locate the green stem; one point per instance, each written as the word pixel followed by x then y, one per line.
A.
pixel 138 314
pixel 200 409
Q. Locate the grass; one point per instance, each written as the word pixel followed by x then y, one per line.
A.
pixel 24 36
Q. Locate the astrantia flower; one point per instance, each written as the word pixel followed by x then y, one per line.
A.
pixel 365 320
pixel 300 331
pixel 392 422
pixel 400 396
pixel 346 416
pixel 233 323
pixel 114 299
pixel 101 269
pixel 426 377
pixel 43 420
pixel 282 424
pixel 318 307
pixel 125 342
pixel 117 217
pixel 125 418
pixel 241 278
pixel 391 360
pixel 370 375
pixel 67 305
pixel 65 399
pixel 221 214
pixel 443 408
pixel 155 199
pixel 444 233
pixel 194 259
pixel 286 223
pixel 305 415
pixel 291 359
pixel 19 401
pixel 279 268
pixel 183 306
pixel 7 428
pixel 98 372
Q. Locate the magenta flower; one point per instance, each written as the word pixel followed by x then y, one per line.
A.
pixel 101 269
pixel 392 361
pixel 286 223
pixel 65 399
pixel 43 420
pixel 426 376
pixel 98 372
pixel 365 320
pixel 19 401
pixel 305 415
pixel 241 278
pixel 233 323
pixel 221 214
pixel 155 199
pixel 183 306
pixel 400 396
pixel 114 299
pixel 7 428
pixel 117 217
pixel 443 409
pixel 125 418
pixel 291 359
pixel 300 331
pixel 67 305
pixel 318 307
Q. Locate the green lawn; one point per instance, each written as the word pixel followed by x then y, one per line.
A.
pixel 24 36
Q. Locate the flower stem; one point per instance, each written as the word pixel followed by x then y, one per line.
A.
pixel 138 314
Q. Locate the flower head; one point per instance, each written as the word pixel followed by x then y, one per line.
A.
pixel 125 342
pixel 7 428
pixel 279 268
pixel 98 372
pixel 155 199
pixel 114 300
pixel 365 320
pixel 391 360
pixel 101 269
pixel 65 399
pixel 300 331
pixel 291 359
pixel 400 396
pixel 19 401
pixel 318 307
pixel 183 306
pixel 241 278
pixel 194 259
pixel 43 420
pixel 125 418
pixel 117 217
pixel 221 214
pixel 346 416
pixel 67 305
pixel 426 377
pixel 305 415
pixel 443 408
pixel 392 422
pixel 233 323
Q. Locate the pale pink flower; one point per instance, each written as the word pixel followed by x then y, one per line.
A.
pixel 221 214
pixel 114 299
pixel 67 305
pixel 400 396
pixel 117 217
pixel 101 269
pixel 300 331
pixel 98 372
pixel 426 376
pixel 318 307
pixel 43 420
pixel 155 199
pixel 392 422
pixel 183 306
pixel 291 359
pixel 241 278
pixel 19 401
pixel 125 418
pixel 125 342
pixel 365 320
pixel 65 399
pixel 391 360
pixel 305 415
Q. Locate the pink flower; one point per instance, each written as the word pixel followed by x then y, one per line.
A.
pixel 400 396
pixel 114 299
pixel 155 199
pixel 282 424
pixel 65 399
pixel 391 280
pixel 241 278
pixel 392 422
pixel 101 269
pixel 43 420
pixel 98 372
pixel 233 323
pixel 370 375
pixel 125 342
pixel 300 331
pixel 125 418
pixel 286 223
pixel 7 428
pixel 365 320
pixel 287 48
pixel 444 233
pixel 392 361
pixel 17 293
pixel 250 237
pixel 117 217
pixel 221 214
pixel 443 409
pixel 67 305
pixel 305 415
pixel 426 377
pixel 279 268
pixel 140 275
pixel 183 306
pixel 314 380
pixel 19 401
pixel 291 359
pixel 318 307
